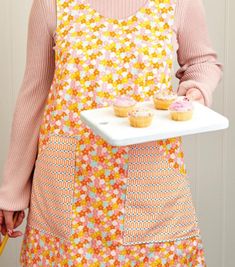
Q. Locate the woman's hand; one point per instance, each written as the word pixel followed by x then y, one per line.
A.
pixel 196 95
pixel 7 225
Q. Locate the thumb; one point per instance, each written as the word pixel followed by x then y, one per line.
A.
pixel 194 94
pixel 8 215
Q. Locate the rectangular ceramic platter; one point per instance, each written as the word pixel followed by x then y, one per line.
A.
pixel 117 131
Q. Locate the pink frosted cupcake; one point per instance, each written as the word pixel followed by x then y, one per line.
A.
pixel 122 105
pixel 181 110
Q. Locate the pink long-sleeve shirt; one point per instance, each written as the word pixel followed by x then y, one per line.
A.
pixel 197 59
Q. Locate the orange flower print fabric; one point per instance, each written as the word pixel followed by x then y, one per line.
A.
pixel 44 250
pixel 172 149
pixel 121 206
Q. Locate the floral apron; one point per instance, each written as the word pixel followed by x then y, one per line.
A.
pixel 93 204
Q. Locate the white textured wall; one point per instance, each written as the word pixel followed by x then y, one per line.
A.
pixel 209 157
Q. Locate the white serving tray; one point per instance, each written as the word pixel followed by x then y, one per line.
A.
pixel 117 131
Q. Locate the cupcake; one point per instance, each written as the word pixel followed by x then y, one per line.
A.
pixel 122 105
pixel 181 110
pixel 140 117
pixel 163 99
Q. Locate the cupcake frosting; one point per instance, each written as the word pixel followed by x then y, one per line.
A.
pixel 181 105
pixel 141 112
pixel 124 101
pixel 165 95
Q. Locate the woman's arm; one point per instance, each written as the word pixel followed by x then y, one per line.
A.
pixel 17 173
pixel 199 67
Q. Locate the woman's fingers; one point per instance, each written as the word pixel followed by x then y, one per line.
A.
pixel 1 223
pixel 192 93
pixel 8 217
pixel 195 94
pixel 8 225
pixel 20 218
pixel 1 219
pixel 16 234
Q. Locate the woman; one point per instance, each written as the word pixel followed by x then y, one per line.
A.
pixel 82 192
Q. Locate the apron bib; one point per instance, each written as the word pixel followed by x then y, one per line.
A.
pixel 85 190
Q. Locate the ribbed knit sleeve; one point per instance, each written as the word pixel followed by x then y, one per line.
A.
pixel 199 67
pixel 18 168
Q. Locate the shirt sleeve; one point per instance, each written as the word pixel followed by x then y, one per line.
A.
pixel 19 164
pixel 199 67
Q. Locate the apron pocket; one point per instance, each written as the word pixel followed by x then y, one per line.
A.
pixel 51 200
pixel 158 205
